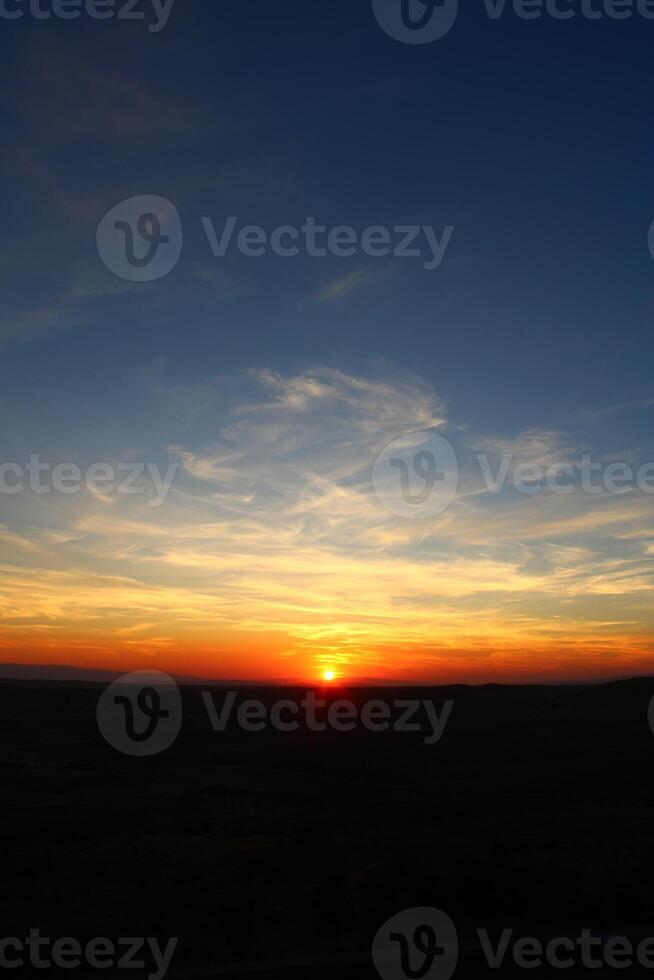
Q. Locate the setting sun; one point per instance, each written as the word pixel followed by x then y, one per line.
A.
pixel 329 675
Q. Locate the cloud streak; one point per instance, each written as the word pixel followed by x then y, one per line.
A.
pixel 273 546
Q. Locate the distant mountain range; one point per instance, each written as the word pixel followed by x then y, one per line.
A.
pixel 52 672
pixel 63 673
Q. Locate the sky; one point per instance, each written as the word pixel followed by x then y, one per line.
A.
pixel 270 387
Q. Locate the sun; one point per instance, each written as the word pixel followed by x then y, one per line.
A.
pixel 329 675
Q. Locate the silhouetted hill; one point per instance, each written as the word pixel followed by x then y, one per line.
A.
pixel 534 812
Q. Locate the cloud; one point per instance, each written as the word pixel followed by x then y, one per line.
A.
pixel 41 318
pixel 342 287
pixel 52 100
pixel 273 533
pixel 535 446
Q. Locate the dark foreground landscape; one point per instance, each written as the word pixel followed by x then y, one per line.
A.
pixel 534 812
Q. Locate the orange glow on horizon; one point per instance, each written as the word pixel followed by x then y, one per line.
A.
pixel 282 566
pixel 277 660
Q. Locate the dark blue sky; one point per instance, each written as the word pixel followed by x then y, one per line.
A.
pixel 276 382
pixel 532 138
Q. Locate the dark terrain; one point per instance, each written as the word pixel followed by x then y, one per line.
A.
pixel 535 811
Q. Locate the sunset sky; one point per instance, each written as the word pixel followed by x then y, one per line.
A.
pixel 274 383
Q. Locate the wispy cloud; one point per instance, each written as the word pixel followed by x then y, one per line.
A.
pixel 273 532
pixel 342 287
